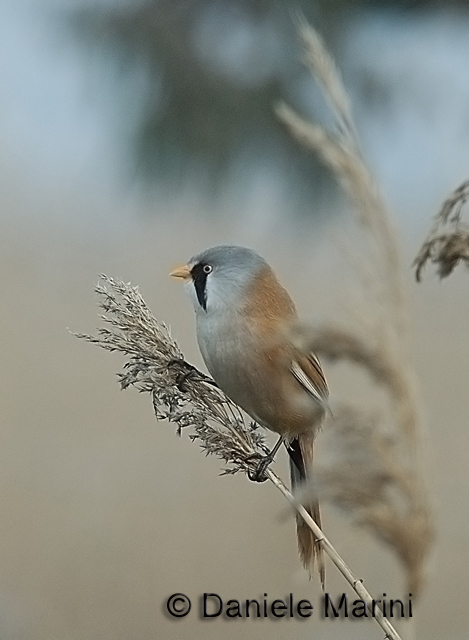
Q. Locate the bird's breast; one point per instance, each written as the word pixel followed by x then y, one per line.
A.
pixel 226 347
pixel 254 371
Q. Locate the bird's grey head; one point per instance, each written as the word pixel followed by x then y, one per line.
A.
pixel 218 276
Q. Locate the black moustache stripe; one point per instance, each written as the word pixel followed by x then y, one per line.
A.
pixel 199 278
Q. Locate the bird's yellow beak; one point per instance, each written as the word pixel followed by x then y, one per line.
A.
pixel 181 272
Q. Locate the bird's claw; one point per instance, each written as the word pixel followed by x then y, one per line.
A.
pixel 258 473
pixel 186 371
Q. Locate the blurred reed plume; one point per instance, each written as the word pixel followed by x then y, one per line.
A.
pixel 186 397
pixel 447 243
pixel 375 475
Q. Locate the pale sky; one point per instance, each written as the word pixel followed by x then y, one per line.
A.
pixel 58 113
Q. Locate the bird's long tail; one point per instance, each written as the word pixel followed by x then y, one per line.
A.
pixel 301 463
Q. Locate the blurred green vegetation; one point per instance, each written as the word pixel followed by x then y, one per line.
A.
pixel 213 69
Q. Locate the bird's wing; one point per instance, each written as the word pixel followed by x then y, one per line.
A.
pixel 308 371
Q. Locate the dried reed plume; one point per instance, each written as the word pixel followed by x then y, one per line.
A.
pixel 376 478
pixel 181 394
pixel 189 399
pixel 447 243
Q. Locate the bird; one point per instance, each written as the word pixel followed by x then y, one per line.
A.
pixel 249 337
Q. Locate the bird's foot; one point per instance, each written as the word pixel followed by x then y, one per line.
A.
pixel 186 371
pixel 258 472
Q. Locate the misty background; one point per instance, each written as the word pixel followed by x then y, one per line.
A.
pixel 132 136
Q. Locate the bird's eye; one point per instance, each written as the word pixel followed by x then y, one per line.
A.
pixel 207 268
